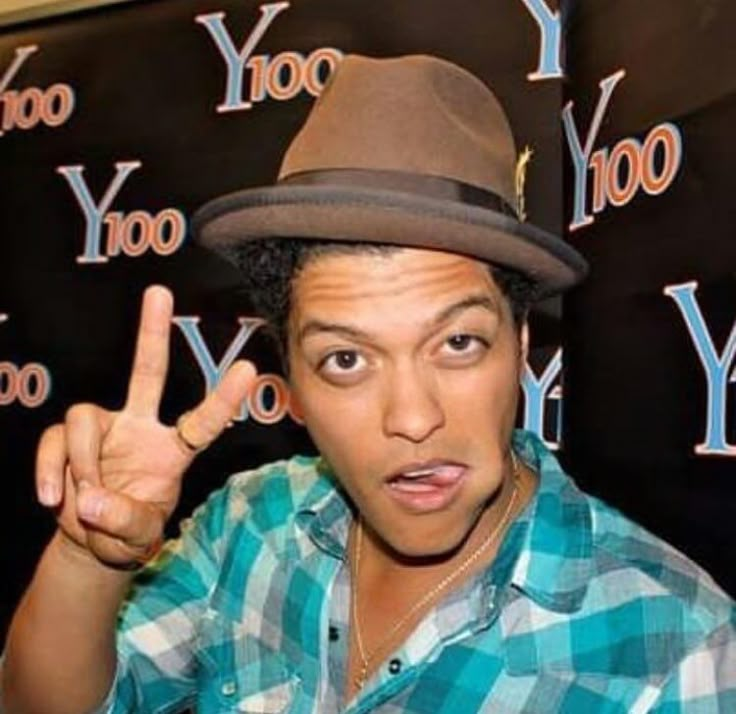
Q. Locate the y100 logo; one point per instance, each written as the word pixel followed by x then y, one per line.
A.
pixel 548 21
pixel 26 108
pixel 720 370
pixel 619 173
pixel 29 385
pixel 131 234
pixel 281 77
pixel 539 393
pixel 269 401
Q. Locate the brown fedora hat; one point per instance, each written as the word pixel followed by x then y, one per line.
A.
pixel 410 151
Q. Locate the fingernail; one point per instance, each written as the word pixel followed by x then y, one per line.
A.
pixel 91 506
pixel 48 494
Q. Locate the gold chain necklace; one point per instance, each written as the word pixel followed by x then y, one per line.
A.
pixel 366 657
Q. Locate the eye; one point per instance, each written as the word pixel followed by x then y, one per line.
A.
pixel 342 362
pixel 462 343
pixel 463 349
pixel 459 343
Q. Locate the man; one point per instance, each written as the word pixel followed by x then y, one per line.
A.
pixel 432 559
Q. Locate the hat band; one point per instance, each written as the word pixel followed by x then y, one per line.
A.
pixel 404 182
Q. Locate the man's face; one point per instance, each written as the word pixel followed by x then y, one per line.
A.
pixel 406 366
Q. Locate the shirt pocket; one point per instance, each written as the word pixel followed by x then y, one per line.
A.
pixel 240 673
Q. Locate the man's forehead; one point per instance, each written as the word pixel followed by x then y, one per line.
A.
pixel 426 285
pixel 380 262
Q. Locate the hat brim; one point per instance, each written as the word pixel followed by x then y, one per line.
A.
pixel 357 214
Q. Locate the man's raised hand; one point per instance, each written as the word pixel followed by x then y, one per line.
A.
pixel 114 478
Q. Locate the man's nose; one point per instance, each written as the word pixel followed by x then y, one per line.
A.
pixel 412 405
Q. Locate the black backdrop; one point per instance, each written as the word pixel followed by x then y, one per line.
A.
pixel 640 427
pixel 146 80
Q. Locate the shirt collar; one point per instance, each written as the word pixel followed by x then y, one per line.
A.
pixel 325 514
pixel 551 544
pixel 546 554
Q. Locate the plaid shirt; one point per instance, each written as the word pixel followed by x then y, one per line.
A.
pixel 581 611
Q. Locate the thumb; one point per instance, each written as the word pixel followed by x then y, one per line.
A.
pixel 121 530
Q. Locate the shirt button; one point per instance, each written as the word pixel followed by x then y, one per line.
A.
pixel 394 666
pixel 334 633
pixel 229 688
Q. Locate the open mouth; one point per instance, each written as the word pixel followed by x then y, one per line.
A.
pixel 428 486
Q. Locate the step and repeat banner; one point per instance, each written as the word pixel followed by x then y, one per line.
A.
pixel 116 124
pixel 650 339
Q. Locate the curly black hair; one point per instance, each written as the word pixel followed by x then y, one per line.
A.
pixel 268 266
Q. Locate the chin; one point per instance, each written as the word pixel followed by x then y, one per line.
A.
pixel 426 546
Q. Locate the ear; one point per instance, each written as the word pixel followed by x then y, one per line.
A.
pixel 295 408
pixel 295 403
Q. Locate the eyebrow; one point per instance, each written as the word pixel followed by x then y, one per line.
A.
pixel 451 311
pixel 446 314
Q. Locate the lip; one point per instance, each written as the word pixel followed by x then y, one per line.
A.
pixel 422 497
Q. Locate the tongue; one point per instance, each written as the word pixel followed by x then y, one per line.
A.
pixel 439 477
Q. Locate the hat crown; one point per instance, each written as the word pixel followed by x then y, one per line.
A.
pixel 413 151
pixel 415 114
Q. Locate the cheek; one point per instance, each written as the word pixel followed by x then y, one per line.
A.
pixel 345 433
pixel 339 421
pixel 488 393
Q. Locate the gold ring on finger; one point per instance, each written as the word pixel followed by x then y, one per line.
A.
pixel 188 444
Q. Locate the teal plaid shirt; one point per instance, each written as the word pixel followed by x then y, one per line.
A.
pixel 582 611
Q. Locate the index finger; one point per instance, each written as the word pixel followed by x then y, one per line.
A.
pixel 151 361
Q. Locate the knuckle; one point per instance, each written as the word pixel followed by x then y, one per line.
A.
pixel 78 412
pixel 153 526
pixel 120 516
pixel 51 439
pixel 220 407
pixel 198 424
pixel 209 424
pixel 145 367
pixel 52 433
pixel 83 471
pixel 130 520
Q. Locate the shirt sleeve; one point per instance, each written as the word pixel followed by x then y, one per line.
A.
pixel 704 681
pixel 159 620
